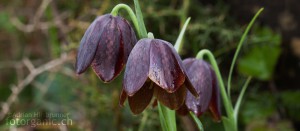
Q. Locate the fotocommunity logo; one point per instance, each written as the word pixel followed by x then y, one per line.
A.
pixel 38 119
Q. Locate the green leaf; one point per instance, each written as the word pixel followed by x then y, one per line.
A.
pixel 242 40
pixel 167 118
pixel 259 106
pixel 264 35
pixel 162 118
pixel 240 98
pixel 139 16
pixel 5 22
pixel 178 44
pixel 259 62
pixel 228 124
pixel 289 98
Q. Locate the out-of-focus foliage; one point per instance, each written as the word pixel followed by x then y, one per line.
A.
pixel 94 105
pixel 5 24
pixel 259 61
pixel 260 113
pixel 289 98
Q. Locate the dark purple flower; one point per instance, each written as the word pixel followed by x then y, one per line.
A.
pixel 205 82
pixel 106 46
pixel 215 102
pixel 154 68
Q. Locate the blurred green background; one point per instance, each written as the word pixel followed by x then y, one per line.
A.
pixel 39 40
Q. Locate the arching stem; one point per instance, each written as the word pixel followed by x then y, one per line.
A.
pixel 225 98
pixel 134 20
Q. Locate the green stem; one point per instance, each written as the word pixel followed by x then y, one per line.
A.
pixel 134 20
pixel 150 35
pixel 239 48
pixel 167 118
pixel 143 122
pixel 162 119
pixel 198 122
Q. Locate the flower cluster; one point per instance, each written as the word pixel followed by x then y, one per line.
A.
pixel 153 68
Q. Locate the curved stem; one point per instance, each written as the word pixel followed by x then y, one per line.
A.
pixel 239 48
pixel 134 20
pixel 225 98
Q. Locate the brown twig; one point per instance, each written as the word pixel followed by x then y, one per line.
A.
pixel 37 24
pixel 34 72
pixel 40 11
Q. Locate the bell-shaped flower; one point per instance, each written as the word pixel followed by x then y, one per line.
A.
pixel 154 68
pixel 106 46
pixel 204 80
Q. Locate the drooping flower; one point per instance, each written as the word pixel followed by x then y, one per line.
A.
pixel 204 80
pixel 154 68
pixel 215 102
pixel 106 46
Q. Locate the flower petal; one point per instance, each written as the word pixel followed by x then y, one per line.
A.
pixel 109 58
pixel 89 43
pixel 136 72
pixel 182 110
pixel 201 78
pixel 127 35
pixel 164 68
pixel 141 99
pixel 172 100
pixel 123 97
pixel 215 103
pixel 187 63
pixel 187 82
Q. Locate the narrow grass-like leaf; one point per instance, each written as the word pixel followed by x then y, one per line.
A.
pixel 163 118
pixel 178 44
pixel 168 117
pixel 139 16
pixel 171 119
pixel 240 98
pixel 239 48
